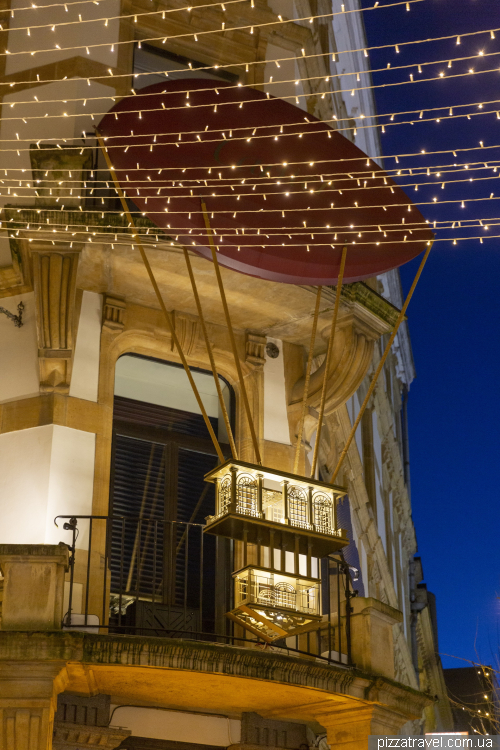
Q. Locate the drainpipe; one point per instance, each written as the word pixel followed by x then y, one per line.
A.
pixel 415 608
pixel 406 443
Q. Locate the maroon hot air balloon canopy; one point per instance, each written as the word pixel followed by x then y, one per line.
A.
pixel 284 192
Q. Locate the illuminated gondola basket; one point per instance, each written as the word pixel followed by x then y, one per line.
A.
pixel 275 509
pixel 275 604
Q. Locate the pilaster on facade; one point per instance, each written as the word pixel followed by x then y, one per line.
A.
pixel 54 280
pixel 28 695
pixel 113 318
pixel 380 575
pixel 255 349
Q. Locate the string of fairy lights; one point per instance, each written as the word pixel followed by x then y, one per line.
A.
pixel 226 183
pixel 251 28
pixel 223 167
pixel 289 192
pixel 448 61
pixel 305 56
pixel 295 80
pixel 163 13
pixel 336 120
pixel 278 20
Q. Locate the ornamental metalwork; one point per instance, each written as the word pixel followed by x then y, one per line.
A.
pixel 225 495
pixel 297 507
pixel 285 595
pixel 323 513
pixel 246 495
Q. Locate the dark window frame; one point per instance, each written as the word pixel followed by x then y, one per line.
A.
pixel 174 442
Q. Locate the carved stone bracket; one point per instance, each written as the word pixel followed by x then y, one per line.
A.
pixel 255 346
pixel 364 317
pixel 187 329
pixel 72 736
pixel 113 314
pixel 54 279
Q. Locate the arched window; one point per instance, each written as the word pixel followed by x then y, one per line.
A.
pixel 164 571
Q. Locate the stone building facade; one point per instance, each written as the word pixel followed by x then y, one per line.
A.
pixel 93 343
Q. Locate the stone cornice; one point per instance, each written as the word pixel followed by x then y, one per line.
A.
pixel 374 302
pixel 85 653
pixel 102 222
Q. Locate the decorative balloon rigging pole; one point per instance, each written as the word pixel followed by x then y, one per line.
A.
pixel 243 390
pixel 381 363
pixel 272 599
pixel 160 300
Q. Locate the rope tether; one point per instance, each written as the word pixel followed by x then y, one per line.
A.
pixel 328 360
pixel 306 383
pixel 160 300
pixel 211 356
pixel 380 365
pixel 244 395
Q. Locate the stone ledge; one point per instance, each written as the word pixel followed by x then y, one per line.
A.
pixel 85 652
pixel 35 550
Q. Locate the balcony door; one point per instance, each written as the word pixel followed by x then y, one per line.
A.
pixel 165 573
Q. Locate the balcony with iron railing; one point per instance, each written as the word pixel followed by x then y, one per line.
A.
pixel 251 509
pixel 155 577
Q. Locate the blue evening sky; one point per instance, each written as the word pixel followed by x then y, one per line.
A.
pixel 454 316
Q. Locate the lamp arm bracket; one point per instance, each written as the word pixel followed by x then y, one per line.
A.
pixel 18 319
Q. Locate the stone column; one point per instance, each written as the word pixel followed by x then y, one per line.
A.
pixel 372 645
pixel 33 588
pixel 348 727
pixel 28 692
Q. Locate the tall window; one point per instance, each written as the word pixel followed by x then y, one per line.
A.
pixel 159 501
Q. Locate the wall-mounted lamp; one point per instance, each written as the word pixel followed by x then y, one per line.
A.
pixel 18 319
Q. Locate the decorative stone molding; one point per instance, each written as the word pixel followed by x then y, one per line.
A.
pixel 59 172
pixel 97 661
pixel 113 315
pixel 54 278
pixel 364 317
pixel 78 709
pixel 187 329
pixel 27 701
pixel 255 346
pixel 371 634
pixel 257 732
pixel 76 736
pixel 33 585
pixel 17 274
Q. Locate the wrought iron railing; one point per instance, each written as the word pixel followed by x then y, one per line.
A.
pixel 153 577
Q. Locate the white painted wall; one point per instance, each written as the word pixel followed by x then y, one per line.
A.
pixel 18 351
pixel 275 407
pixel 71 481
pixel 85 376
pixel 24 484
pixel 44 471
pixel 177 726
